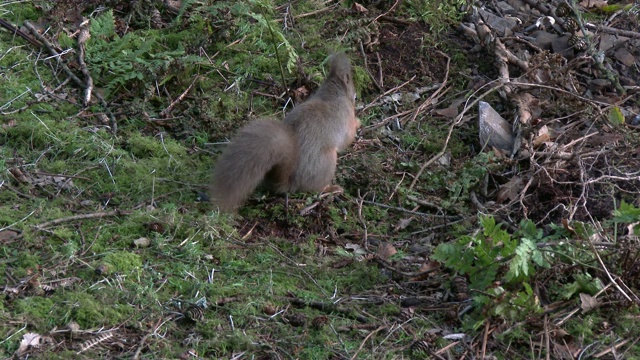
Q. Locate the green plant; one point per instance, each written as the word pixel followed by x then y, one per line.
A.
pixel 626 213
pixel 439 14
pixel 469 177
pixel 499 266
pixel 133 58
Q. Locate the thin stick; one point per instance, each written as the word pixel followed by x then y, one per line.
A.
pixel 83 36
pixel 81 217
pixel 52 50
pixel 164 113
pixel 365 340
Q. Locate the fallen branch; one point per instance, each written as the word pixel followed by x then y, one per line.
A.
pixel 83 85
pixel 326 307
pixel 82 38
pixel 98 215
pixel 164 113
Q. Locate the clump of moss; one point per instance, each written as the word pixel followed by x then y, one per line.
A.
pixel 144 147
pixel 88 311
pixel 123 261
pixel 27 262
pixel 36 310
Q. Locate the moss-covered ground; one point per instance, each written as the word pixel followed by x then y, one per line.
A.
pixel 109 247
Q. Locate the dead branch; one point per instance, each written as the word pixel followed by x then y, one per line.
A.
pixel 83 36
pixel 614 31
pixel 19 32
pixel 98 215
pixel 83 85
pixel 164 113
pixel 430 100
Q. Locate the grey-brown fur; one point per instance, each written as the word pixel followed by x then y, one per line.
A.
pixel 298 154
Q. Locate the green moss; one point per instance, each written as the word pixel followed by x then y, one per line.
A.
pixel 123 261
pixel 89 311
pixel 145 147
pixel 38 311
pixel 27 263
pixel 362 79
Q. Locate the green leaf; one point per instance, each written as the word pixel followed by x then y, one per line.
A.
pixel 528 229
pixel 103 27
pixel 615 116
pixel 626 213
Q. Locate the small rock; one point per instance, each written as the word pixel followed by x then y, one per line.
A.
pixel 501 26
pixel 561 46
pixel 544 39
pixel 599 84
pixel 494 130
pixel 506 8
pixel 445 160
pixel 519 5
pixel 625 57
pixel 608 41
pixel 142 242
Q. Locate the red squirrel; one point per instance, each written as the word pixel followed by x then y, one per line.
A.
pixel 297 154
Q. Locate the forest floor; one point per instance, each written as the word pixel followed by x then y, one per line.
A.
pixel 490 205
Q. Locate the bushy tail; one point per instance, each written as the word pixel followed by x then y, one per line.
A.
pixel 264 147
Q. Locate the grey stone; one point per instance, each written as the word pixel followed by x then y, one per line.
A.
pixel 561 46
pixel 506 8
pixel 544 39
pixel 501 26
pixel 608 41
pixel 625 57
pixel 495 131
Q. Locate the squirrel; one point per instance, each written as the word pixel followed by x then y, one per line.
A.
pixel 297 154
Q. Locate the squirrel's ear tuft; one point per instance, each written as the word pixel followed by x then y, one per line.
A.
pixel 340 67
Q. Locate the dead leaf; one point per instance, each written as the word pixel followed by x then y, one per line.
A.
pixel 544 135
pixel 8 124
pixel 300 94
pixel 7 235
pixel 30 340
pixel 559 334
pixel 593 3
pixel 44 179
pixel 403 223
pixel 359 8
pixel 192 354
pixel 430 266
pixel 425 270
pixel 510 190
pixel 569 228
pixel 564 350
pixel 355 249
pixel 73 327
pixel 449 112
pixel 588 302
pixel 18 175
pixel 342 263
pixel 386 250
